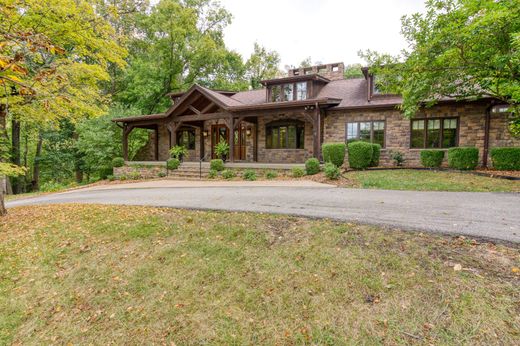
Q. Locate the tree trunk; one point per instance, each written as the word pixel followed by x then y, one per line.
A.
pixel 3 211
pixel 15 153
pixel 36 167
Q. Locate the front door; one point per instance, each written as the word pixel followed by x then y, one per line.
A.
pixel 219 132
pixel 239 147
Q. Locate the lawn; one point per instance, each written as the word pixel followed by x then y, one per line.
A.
pixel 85 274
pixel 406 179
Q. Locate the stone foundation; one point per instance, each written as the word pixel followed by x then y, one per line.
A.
pixel 139 171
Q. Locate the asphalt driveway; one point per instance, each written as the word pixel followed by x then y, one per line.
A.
pixel 483 215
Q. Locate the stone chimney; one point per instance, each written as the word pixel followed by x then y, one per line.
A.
pixel 331 71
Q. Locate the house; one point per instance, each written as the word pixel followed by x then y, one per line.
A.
pixel 289 118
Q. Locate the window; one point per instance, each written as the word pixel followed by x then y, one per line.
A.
pixel 285 135
pixel 301 91
pixel 434 133
pixel 288 93
pixel 276 93
pixel 367 131
pixel 186 138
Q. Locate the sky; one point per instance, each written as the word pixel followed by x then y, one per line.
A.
pixel 326 30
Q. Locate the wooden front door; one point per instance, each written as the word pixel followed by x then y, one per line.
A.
pixel 219 132
pixel 240 143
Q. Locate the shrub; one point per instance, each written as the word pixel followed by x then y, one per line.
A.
pixel 376 154
pixel 271 175
pixel 123 177
pixel 135 176
pixel 360 155
pixel 312 166
pixel 398 158
pixel 332 171
pixel 173 164
pixel 334 152
pixel 222 150
pixel 506 158
pixel 212 174
pixel 297 172
pixel 105 171
pixel 463 158
pixel 432 158
pixel 249 174
pixel 111 178
pixel 118 162
pixel 161 174
pixel 228 174
pixel 217 165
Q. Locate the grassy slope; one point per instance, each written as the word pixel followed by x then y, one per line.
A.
pixel 106 274
pixel 431 181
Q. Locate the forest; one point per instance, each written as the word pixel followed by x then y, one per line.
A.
pixel 67 67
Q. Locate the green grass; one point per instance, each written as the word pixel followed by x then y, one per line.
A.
pixel 430 181
pixel 86 274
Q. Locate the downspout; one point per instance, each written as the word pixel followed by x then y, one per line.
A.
pixel 487 126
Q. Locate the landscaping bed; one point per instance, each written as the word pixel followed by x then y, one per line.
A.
pixel 131 275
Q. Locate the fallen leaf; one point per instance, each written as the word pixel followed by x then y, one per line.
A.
pixel 457 267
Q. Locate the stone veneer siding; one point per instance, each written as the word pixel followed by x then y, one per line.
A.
pixel 397 128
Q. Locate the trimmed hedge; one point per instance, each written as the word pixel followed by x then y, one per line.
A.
pixel 334 152
pixel 118 162
pixel 312 166
pixel 228 174
pixel 464 158
pixel 432 158
pixel 376 154
pixel 173 164
pixel 297 172
pixel 332 171
pixel 506 158
pixel 217 165
pixel 360 155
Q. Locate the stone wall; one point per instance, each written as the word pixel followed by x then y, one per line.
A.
pixel 139 171
pixel 397 135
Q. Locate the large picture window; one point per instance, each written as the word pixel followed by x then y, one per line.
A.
pixel 186 138
pixel 288 92
pixel 285 135
pixel 434 133
pixel 367 131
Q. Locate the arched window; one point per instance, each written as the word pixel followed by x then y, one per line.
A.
pixel 186 138
pixel 287 134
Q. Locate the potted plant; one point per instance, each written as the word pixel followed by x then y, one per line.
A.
pixel 222 150
pixel 178 152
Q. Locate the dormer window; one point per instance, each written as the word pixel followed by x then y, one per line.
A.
pixel 375 86
pixel 288 92
pixel 276 94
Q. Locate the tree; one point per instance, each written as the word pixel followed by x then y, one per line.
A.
pixel 462 49
pixel 262 64
pixel 353 71
pixel 7 170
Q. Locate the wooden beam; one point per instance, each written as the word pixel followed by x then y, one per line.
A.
pixel 195 110
pixel 237 123
pixel 157 143
pixel 208 107
pixel 173 127
pixel 126 132
pixel 208 116
pixel 231 127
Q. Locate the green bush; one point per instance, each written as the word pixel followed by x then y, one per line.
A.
pixel 212 174
pixel 506 158
pixel 271 175
pixel 104 172
pixel 111 178
pixel 312 166
pixel 376 154
pixel 464 158
pixel 297 172
pixel 249 174
pixel 398 157
pixel 217 165
pixel 360 155
pixel 332 171
pixel 228 174
pixel 173 164
pixel 118 162
pixel 123 177
pixel 334 152
pixel 135 176
pixel 161 174
pixel 432 158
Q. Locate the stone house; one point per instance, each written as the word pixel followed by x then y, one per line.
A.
pixel 289 119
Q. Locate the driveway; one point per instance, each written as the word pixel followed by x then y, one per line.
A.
pixel 482 215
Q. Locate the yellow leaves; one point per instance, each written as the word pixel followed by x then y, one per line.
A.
pixel 515 270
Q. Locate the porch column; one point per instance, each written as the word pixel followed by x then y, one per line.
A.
pixel 172 127
pixel 231 139
pixel 201 138
pixel 157 143
pixel 126 132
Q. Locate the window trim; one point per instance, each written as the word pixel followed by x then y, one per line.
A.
pixel 286 123
pixel 441 139
pixel 358 122
pixel 179 137
pixel 281 87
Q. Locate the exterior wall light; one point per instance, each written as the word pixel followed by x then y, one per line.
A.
pixel 248 131
pixel 205 133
